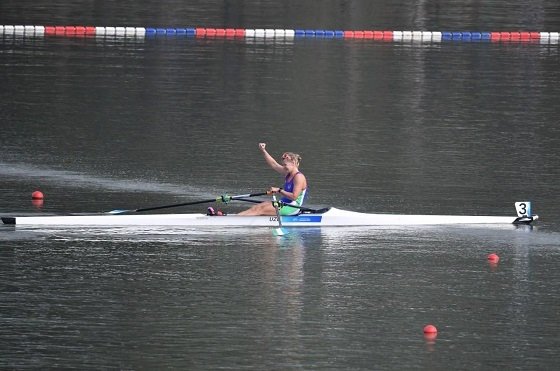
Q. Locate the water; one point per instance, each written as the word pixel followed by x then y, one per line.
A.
pixel 453 128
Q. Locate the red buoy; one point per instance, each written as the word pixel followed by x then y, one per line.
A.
pixel 37 195
pixel 430 329
pixel 493 258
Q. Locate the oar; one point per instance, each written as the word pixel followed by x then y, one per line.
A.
pixel 277 231
pixel 222 198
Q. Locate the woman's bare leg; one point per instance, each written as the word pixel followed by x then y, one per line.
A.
pixel 264 208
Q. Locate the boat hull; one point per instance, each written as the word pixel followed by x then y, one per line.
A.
pixel 331 218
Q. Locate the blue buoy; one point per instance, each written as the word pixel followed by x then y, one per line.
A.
pixel 299 33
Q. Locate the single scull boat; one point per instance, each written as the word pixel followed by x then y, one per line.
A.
pixel 329 217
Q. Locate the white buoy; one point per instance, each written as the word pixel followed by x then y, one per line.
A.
pixel 279 33
pixel 289 33
pixel 426 36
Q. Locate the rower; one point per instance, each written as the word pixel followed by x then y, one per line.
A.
pixel 294 189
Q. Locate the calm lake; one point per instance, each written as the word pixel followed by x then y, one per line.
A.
pixel 451 127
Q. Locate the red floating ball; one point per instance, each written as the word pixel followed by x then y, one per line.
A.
pixel 430 329
pixel 37 195
pixel 493 258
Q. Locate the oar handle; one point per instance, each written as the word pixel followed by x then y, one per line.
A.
pixel 255 194
pixel 226 198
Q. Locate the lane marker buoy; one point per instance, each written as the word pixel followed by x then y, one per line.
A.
pixel 493 258
pixel 275 33
pixel 37 195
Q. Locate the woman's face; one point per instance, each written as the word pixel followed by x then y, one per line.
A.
pixel 288 163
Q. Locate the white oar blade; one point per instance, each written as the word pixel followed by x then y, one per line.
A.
pixel 279 232
pixel 117 211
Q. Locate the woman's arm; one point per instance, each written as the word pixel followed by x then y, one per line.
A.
pixel 270 160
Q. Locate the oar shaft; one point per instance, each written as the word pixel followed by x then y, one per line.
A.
pixel 222 198
pixel 249 200
pixel 174 205
pixel 277 209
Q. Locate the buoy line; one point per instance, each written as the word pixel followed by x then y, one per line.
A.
pixel 391 36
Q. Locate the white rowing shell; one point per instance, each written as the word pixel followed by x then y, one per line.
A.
pixel 333 217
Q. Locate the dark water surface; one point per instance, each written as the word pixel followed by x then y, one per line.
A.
pixel 451 128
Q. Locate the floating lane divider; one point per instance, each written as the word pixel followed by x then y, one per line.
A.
pixel 397 36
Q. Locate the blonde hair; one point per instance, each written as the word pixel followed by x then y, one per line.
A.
pixel 294 157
